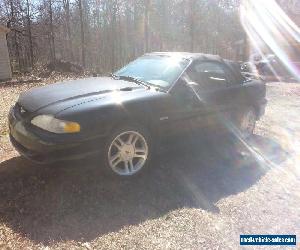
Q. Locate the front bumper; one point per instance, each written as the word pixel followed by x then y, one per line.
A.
pixel 50 147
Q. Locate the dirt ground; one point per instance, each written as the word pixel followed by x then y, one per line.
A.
pixel 201 193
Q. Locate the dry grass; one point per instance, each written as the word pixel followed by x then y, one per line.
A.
pixel 199 194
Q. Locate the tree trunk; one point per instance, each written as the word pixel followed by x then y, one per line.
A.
pixel 192 24
pixel 15 39
pixel 135 30
pixel 66 4
pixel 29 33
pixel 52 44
pixel 82 33
pixel 146 25
pixel 113 12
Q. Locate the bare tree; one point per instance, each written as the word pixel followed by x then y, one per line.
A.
pixel 82 33
pixel 66 5
pixel 51 34
pixel 28 16
pixel 146 24
pixel 104 34
pixel 192 7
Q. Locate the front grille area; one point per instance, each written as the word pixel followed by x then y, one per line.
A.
pixel 20 147
pixel 34 156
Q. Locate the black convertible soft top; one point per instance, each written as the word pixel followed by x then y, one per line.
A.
pixel 232 65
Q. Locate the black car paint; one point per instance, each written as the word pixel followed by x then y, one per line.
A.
pixel 101 104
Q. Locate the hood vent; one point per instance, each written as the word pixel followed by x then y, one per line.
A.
pixel 127 89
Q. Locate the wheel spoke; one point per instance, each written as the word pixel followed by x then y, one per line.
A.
pixel 115 162
pixel 117 146
pixel 131 167
pixel 120 140
pixel 132 139
pixel 140 153
pixel 114 157
pixel 126 167
pixel 119 143
pixel 135 140
pixel 140 150
pixel 139 156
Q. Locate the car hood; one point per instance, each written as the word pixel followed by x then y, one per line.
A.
pixel 69 92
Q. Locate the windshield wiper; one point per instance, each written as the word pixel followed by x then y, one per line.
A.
pixel 131 79
pixel 158 88
pixel 138 81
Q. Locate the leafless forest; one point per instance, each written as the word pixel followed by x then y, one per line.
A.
pixel 102 35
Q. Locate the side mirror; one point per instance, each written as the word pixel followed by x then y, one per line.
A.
pixel 184 92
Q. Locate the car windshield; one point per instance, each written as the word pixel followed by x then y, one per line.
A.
pixel 157 70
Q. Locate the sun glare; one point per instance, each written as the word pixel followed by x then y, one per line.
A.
pixel 270 30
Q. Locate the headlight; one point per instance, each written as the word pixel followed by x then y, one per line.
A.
pixel 51 124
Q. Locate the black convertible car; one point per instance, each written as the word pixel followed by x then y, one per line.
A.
pixel 120 117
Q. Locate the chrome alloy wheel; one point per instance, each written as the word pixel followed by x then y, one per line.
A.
pixel 127 153
pixel 248 123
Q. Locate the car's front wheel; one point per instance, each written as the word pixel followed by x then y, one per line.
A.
pixel 128 151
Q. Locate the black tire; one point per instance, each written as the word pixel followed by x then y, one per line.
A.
pixel 108 170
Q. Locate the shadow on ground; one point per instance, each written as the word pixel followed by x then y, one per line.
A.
pixel 78 203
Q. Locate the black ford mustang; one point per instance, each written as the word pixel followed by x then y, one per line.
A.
pixel 159 94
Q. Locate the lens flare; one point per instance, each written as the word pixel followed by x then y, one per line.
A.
pixel 271 30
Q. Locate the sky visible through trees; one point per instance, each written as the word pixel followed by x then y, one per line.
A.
pixel 102 35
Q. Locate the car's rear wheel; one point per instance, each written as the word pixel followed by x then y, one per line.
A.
pixel 247 121
pixel 128 151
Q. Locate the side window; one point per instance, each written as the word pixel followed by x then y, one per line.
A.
pixel 208 75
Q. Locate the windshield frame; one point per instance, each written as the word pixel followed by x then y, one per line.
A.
pixel 170 86
pixel 183 71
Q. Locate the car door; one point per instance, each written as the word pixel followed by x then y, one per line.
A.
pixel 188 112
pixel 201 98
pixel 211 83
pixel 180 111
